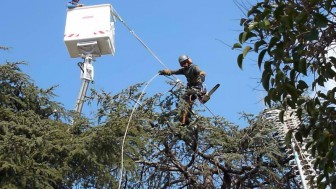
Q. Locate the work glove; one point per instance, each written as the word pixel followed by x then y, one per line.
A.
pixel 165 72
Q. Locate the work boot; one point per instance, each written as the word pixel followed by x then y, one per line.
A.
pixel 185 123
pixel 185 118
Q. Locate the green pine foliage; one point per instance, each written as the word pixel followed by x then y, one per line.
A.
pixel 44 146
pixel 208 153
pixel 38 148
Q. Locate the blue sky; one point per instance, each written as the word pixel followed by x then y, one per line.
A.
pixel 202 29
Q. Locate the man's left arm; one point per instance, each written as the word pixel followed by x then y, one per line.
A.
pixel 200 72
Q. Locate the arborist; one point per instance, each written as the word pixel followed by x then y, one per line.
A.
pixel 195 87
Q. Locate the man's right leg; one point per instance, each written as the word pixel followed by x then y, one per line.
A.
pixel 186 114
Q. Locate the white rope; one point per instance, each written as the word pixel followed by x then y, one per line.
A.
pixel 114 12
pixel 127 127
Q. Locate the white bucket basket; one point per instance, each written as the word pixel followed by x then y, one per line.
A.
pixel 90 30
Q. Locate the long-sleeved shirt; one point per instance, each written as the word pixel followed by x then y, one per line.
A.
pixel 192 73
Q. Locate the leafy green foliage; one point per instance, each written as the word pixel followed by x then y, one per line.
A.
pixel 292 39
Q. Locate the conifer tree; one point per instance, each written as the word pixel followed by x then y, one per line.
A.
pixel 40 149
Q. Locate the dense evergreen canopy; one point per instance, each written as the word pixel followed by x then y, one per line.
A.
pixel 40 149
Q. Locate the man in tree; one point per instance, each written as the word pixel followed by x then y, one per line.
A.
pixel 195 89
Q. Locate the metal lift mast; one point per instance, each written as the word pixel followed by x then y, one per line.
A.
pixel 87 73
pixel 89 33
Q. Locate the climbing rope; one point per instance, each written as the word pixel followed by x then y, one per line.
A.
pixel 127 127
pixel 114 12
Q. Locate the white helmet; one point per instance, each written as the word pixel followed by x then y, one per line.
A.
pixel 183 58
